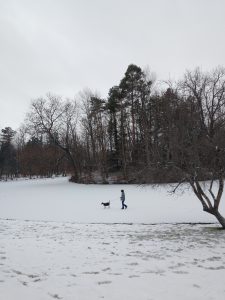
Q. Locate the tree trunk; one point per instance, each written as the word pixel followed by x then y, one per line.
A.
pixel 73 163
pixel 205 201
pixel 220 218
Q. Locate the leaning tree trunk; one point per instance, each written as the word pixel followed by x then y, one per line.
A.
pixel 210 206
pixel 217 215
pixel 220 219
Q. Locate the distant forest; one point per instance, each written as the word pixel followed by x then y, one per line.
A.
pixel 144 132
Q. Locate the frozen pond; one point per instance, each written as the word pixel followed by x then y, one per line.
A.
pixel 63 260
pixel 59 200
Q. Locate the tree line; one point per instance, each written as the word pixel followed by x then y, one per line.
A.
pixel 142 133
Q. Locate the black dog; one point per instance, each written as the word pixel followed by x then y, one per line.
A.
pixel 105 204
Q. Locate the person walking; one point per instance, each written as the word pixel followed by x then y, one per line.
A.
pixel 122 198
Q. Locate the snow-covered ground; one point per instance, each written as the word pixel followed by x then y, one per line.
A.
pixel 59 200
pixel 58 242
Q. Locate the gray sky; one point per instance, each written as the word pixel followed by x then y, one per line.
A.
pixel 64 46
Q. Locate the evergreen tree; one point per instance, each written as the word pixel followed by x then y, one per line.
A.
pixel 8 162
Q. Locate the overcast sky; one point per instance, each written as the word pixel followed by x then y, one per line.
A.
pixel 64 46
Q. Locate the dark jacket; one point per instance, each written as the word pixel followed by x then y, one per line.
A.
pixel 122 198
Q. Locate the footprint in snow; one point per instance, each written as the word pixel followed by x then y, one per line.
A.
pixel 91 273
pixel 133 276
pixel 104 282
pixel 106 269
pixel 55 296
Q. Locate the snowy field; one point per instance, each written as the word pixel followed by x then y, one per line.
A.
pixel 58 242
pixel 59 200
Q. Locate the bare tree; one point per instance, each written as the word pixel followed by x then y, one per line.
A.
pixel 208 93
pixel 58 120
pixel 199 131
pixel 95 131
